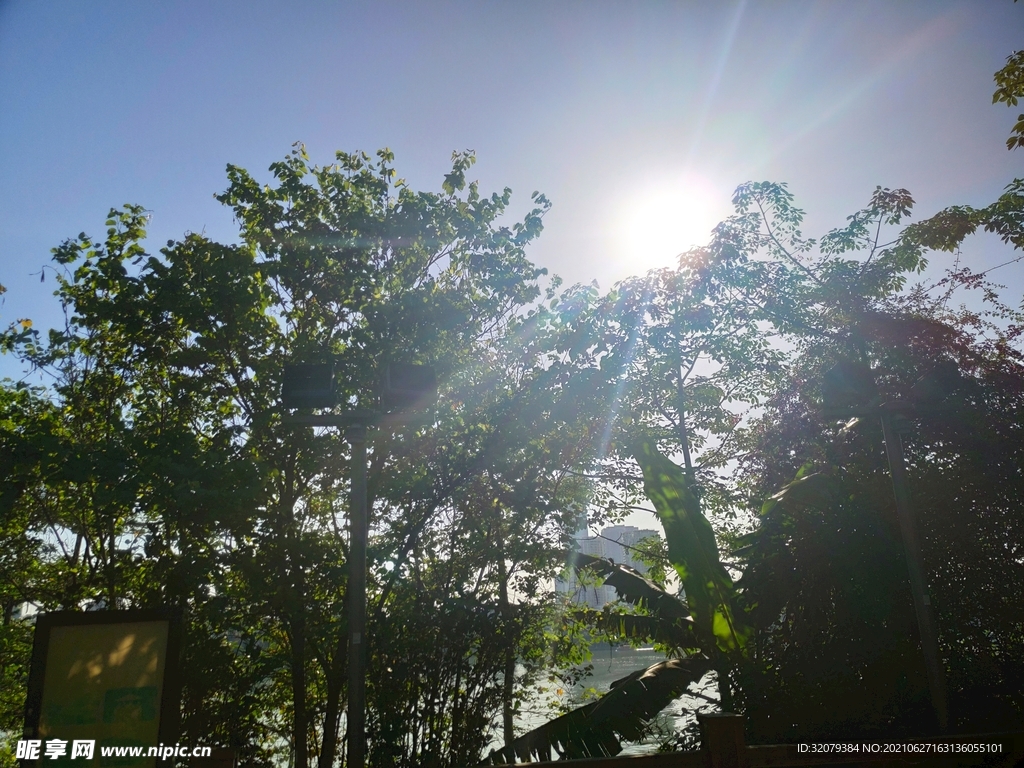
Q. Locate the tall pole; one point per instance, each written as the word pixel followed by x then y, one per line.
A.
pixel 926 623
pixel 356 435
pixel 309 385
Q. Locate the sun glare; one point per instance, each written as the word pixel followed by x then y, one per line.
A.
pixel 657 223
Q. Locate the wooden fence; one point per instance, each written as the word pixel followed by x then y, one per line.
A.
pixel 725 747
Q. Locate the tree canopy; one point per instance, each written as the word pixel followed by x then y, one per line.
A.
pixel 154 467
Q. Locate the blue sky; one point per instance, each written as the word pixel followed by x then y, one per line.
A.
pixel 637 119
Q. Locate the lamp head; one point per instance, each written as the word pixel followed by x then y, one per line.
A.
pixel 308 385
pixel 937 384
pixel 407 386
pixel 848 384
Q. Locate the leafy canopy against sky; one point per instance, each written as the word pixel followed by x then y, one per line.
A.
pixel 636 120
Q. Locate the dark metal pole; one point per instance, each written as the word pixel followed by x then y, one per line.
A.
pixel 926 623
pixel 356 435
pixel 312 386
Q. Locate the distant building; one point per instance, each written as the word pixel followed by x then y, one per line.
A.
pixel 615 543
pixel 24 611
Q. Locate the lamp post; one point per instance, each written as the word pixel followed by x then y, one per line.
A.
pixel 849 390
pixel 405 387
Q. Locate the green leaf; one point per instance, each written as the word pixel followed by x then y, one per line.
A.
pixel 631 626
pixel 633 587
pixel 710 592
pixel 595 729
pixel 807 490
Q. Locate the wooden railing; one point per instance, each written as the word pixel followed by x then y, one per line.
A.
pixel 725 747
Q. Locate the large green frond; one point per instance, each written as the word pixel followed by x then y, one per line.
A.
pixel 596 729
pixel 633 587
pixel 710 592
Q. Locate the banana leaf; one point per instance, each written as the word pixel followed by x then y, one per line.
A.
pixel 633 587
pixel 807 490
pixel 668 620
pixel 676 634
pixel 710 593
pixel 597 729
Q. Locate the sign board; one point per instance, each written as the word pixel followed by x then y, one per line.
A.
pixel 106 676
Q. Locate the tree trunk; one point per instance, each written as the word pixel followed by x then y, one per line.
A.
pixel 508 682
pixel 335 675
pixel 300 720
pixel 294 612
pixel 507 711
pixel 684 435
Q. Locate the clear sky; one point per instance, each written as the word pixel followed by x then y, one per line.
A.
pixel 637 119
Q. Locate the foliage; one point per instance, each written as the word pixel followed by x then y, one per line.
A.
pixel 637 589
pixel 825 571
pixel 1010 88
pixel 837 646
pixel 163 473
pixel 946 230
pixel 626 711
pixel 832 650
pixel 595 729
pixel 693 552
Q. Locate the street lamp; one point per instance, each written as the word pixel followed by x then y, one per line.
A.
pixel 405 387
pixel 849 389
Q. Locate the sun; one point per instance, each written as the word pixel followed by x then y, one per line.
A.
pixel 660 220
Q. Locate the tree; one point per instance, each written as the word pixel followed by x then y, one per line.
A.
pixel 825 579
pixel 179 484
pixel 25 423
pixel 824 585
pixel 826 576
